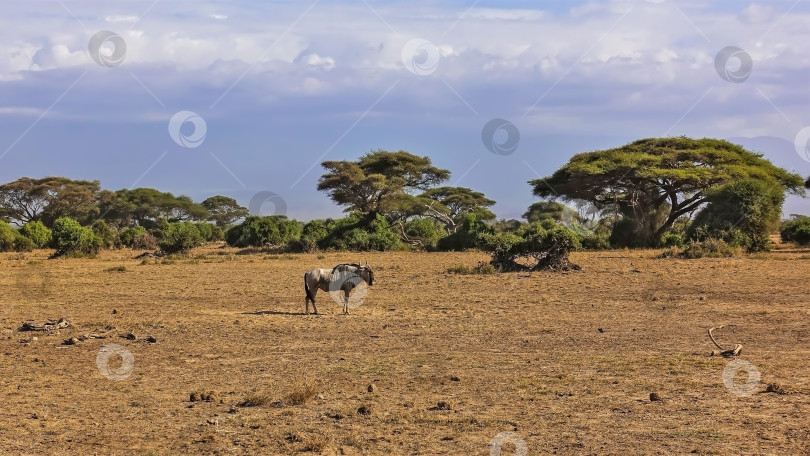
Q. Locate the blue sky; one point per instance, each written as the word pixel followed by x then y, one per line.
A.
pixel 282 86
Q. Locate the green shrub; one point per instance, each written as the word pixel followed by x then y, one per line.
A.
pixel 796 230
pixel 158 228
pixel 626 232
pixel 38 233
pixel 354 233
pixel 312 234
pixel 547 249
pixel 595 241
pixel 23 244
pixel 127 237
pixel 206 232
pixel 106 234
pixel 709 248
pixel 217 234
pixel 671 240
pixel 210 232
pixel 12 241
pixel 180 237
pixel 466 236
pixel 425 231
pixel 254 231
pixel 71 239
pixel 742 213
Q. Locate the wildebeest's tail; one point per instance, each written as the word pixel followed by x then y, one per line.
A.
pixel 306 288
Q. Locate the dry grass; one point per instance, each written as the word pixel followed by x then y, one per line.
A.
pixel 255 399
pixel 455 359
pixel 301 394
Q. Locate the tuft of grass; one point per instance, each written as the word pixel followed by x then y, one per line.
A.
pixel 167 261
pixel 320 257
pixel 255 399
pixel 301 394
pixel 116 269
pixel 315 444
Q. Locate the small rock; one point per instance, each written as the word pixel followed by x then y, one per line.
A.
pixel 130 336
pixel 372 388
pixel 320 397
pixel 702 298
pixel 114 311
pixel 151 339
pixel 654 397
pixel 775 388
pixel 442 405
pixel 34 338
pixel 601 330
pixel 71 341
pixel 363 410
pixel 453 378
pixel 194 397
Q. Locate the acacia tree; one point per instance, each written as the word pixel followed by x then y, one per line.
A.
pixel 224 210
pixel 143 206
pixel 47 199
pixel 449 204
pixel 380 182
pixel 550 210
pixel 653 182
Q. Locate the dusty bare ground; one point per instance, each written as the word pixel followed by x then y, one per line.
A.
pixel 454 359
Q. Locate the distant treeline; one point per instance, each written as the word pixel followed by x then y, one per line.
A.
pixel 670 192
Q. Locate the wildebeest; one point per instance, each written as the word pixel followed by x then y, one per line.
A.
pixel 344 277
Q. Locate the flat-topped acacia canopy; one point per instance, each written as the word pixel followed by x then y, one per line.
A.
pixel 660 174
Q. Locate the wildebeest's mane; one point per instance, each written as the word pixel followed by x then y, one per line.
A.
pixel 346 264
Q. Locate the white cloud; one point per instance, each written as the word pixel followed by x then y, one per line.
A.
pixel 317 61
pixel 757 14
pixel 115 19
pixel 593 48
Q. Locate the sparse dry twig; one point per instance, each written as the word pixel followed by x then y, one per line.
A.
pixel 728 353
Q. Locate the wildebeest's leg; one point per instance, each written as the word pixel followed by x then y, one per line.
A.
pixel 346 302
pixel 314 307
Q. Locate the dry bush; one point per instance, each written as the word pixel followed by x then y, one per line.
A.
pixel 301 394
pixel 144 242
pixel 315 444
pixel 255 399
